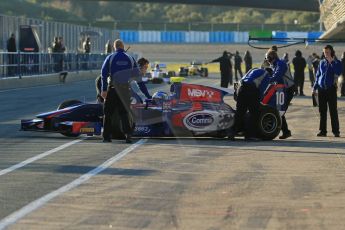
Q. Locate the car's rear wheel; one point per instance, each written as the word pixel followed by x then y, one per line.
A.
pixel 157 80
pixel 171 74
pixel 68 103
pixel 269 123
pixel 71 134
pixel 204 72
pixel 64 105
pixel 183 72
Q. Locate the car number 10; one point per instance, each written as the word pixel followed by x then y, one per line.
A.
pixel 280 98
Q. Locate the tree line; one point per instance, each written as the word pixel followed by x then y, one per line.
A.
pixel 94 11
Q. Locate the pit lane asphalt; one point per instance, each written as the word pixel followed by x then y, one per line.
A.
pixel 171 183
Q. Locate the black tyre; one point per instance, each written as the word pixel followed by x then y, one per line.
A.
pixel 204 72
pixel 70 134
pixel 171 74
pixel 269 123
pixel 183 72
pixel 222 133
pixel 68 103
pixel 157 81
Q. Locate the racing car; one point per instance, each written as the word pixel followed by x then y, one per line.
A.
pixel 158 74
pixel 195 68
pixel 187 110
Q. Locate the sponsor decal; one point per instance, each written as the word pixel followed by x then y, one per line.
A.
pixel 167 106
pixel 142 129
pixel 87 130
pixel 200 93
pixel 199 120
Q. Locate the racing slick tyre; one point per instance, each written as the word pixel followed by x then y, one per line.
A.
pixel 204 72
pixel 269 123
pixel 183 72
pixel 222 133
pixel 70 134
pixel 171 74
pixel 68 103
pixel 157 81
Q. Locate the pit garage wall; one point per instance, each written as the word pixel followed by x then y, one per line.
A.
pixel 131 36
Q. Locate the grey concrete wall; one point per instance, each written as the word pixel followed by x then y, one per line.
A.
pixel 51 79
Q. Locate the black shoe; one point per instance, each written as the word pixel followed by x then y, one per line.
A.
pixel 128 139
pixel 337 135
pixel 322 134
pixel 106 140
pixel 285 135
pixel 302 94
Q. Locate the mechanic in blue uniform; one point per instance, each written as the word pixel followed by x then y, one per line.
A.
pixel 281 74
pixel 120 68
pixel 325 87
pixel 253 84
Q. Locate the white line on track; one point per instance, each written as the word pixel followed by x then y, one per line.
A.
pixel 14 217
pixel 37 157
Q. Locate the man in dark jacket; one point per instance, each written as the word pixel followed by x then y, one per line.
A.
pixel 248 60
pixel 299 64
pixel 58 58
pixel 326 88
pixel 12 48
pixel 225 69
pixel 249 95
pixel 238 62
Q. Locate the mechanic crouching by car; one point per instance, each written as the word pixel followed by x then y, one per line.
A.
pixel 121 70
pixel 253 84
pixel 281 74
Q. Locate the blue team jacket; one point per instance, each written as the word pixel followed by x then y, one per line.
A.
pixel 259 77
pixel 279 70
pixel 327 73
pixel 123 69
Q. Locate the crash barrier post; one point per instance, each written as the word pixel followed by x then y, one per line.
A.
pixel 18 64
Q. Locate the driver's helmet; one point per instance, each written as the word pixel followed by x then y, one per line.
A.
pixel 159 96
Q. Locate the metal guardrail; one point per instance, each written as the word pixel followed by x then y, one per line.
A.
pixel 26 64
